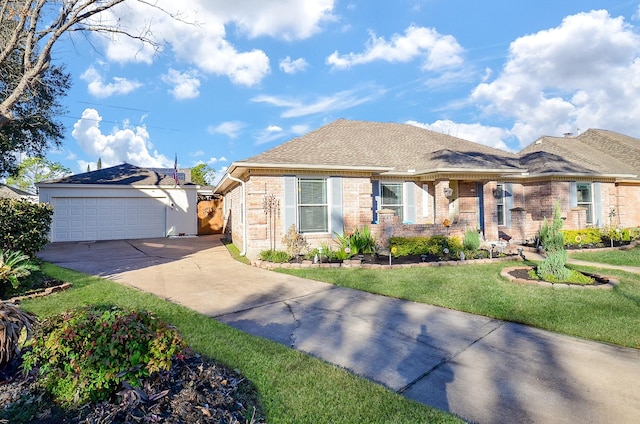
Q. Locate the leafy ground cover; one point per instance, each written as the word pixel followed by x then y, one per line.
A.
pixel 289 386
pixel 604 315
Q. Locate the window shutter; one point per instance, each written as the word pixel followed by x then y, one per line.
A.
pixel 508 203
pixel 375 194
pixel 337 218
pixel 427 200
pixel 409 202
pixel 573 194
pixel 290 201
pixel 597 204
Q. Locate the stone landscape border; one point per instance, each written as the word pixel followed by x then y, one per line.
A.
pixel 357 263
pixel 40 293
pixel 610 281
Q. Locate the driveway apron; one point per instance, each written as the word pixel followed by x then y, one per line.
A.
pixel 481 369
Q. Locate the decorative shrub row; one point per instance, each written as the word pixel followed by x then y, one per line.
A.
pixel 599 236
pixel 24 226
pixel 426 245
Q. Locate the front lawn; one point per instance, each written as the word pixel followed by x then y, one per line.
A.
pixel 611 316
pixel 292 387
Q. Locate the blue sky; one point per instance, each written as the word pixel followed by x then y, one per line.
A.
pixel 239 77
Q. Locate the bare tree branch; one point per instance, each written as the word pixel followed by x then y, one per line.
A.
pixel 29 30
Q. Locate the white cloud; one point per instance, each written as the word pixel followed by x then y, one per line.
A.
pixel 127 144
pixel 338 101
pixel 437 51
pixel 489 136
pixel 231 129
pixel 97 87
pixel 289 66
pixel 584 73
pixel 199 37
pixel 186 85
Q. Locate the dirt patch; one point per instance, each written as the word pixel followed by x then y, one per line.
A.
pixel 194 390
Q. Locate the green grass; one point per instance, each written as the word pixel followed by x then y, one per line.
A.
pixel 292 387
pixel 235 252
pixel 611 316
pixel 630 257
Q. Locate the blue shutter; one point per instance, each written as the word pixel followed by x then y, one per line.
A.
pixel 508 203
pixel 573 194
pixel 409 202
pixel 375 192
pixel 290 201
pixel 337 218
pixel 597 205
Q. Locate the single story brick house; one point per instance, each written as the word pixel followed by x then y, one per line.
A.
pixel 120 202
pixel 403 180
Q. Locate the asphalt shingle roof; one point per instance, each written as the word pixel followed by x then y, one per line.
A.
pixel 594 151
pixel 8 192
pixel 124 174
pixel 378 144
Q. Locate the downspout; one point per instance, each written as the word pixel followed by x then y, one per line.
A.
pixel 244 213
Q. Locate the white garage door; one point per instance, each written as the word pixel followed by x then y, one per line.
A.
pixel 106 218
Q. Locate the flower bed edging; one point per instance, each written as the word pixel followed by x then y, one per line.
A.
pixel 358 264
pixel 41 293
pixel 609 285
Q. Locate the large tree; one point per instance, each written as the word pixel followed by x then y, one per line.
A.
pixel 202 174
pixel 34 170
pixel 29 29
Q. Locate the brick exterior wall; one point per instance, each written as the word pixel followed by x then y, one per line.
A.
pixel 532 202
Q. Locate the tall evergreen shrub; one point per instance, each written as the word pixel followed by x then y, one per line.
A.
pixel 552 240
pixel 24 226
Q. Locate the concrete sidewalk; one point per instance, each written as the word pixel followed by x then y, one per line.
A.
pixel 482 369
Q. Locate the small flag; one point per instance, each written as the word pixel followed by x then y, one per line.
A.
pixel 175 170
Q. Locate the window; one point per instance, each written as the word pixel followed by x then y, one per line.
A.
pixel 585 199
pixel 313 206
pixel 392 198
pixel 500 203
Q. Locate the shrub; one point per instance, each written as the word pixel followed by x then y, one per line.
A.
pixel 15 324
pixel 296 243
pixel 13 266
pixel 582 237
pixel 24 226
pixel 441 246
pixel 363 241
pixel 471 240
pixel 278 256
pixel 552 240
pixel 85 354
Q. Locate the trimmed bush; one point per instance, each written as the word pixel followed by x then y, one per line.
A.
pixel 85 354
pixel 582 237
pixel 441 246
pixel 24 226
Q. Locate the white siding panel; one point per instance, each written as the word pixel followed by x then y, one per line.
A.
pixel 107 218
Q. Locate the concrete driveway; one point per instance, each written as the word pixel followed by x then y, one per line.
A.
pixel 482 369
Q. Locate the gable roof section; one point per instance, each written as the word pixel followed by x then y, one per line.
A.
pixel 382 147
pixel 594 152
pixel 8 192
pixel 124 174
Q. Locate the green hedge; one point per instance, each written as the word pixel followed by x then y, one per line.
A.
pixel 24 226
pixel 427 245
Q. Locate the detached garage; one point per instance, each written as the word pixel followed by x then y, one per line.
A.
pixel 121 202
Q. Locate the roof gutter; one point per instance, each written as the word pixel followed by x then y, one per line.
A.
pixel 244 213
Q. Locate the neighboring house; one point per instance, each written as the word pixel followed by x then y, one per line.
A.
pixel 403 180
pixel 120 202
pixel 8 192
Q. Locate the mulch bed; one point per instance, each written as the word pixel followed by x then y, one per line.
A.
pixel 192 391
